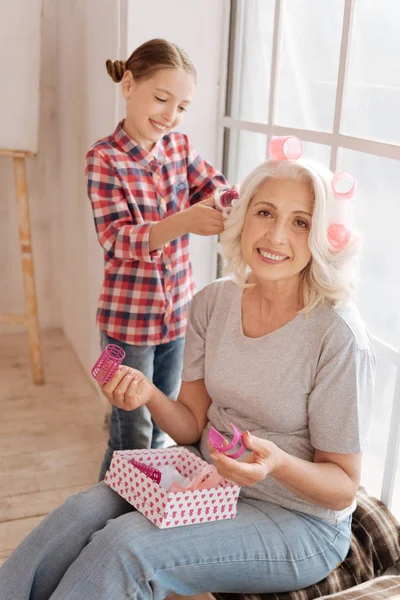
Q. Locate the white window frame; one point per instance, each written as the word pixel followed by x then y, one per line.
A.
pixel 335 140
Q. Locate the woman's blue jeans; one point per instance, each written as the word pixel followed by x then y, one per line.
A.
pixel 97 547
pixel 136 429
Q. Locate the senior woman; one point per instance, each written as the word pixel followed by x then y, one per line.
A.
pixel 279 350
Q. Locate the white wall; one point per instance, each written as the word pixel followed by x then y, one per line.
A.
pixel 20 74
pixel 87 38
pixel 44 199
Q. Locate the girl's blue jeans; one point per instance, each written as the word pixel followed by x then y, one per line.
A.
pixel 97 547
pixel 136 429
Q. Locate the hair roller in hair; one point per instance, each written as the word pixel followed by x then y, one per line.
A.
pixel 287 147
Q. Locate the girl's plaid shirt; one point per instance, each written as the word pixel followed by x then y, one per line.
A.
pixel 145 295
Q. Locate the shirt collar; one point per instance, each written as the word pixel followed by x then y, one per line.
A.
pixel 137 152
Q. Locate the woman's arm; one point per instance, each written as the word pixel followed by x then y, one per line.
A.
pixel 331 480
pixel 183 420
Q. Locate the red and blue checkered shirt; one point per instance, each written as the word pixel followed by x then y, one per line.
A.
pixel 145 295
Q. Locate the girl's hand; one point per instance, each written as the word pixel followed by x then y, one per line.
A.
pixel 203 219
pixel 128 389
pixel 262 461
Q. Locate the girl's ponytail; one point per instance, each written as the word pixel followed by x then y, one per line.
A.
pixel 116 69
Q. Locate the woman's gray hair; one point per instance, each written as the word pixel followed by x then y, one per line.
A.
pixel 329 277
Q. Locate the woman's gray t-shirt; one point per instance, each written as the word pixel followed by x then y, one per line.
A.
pixel 308 385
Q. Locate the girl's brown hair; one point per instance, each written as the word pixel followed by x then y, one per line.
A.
pixel 150 57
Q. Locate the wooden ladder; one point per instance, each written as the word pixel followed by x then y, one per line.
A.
pixel 30 319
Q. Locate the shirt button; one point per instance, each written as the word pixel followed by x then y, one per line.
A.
pixel 157 177
pixel 162 201
pixel 169 310
pixel 168 267
pixel 166 245
pixel 168 288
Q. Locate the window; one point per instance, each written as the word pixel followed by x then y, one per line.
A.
pixel 328 71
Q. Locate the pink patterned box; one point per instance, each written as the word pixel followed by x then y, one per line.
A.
pixel 170 509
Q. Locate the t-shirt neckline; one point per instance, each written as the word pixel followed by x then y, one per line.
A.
pixel 238 311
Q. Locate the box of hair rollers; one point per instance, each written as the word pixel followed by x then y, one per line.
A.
pixel 204 498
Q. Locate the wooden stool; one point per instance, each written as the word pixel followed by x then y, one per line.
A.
pixel 30 319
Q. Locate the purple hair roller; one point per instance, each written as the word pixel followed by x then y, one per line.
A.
pixel 148 470
pixel 107 363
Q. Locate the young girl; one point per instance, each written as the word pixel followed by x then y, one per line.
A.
pixel 149 189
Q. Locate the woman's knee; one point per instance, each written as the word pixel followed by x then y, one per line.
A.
pixel 129 535
pixel 98 503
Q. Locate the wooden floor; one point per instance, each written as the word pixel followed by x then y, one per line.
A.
pixel 52 437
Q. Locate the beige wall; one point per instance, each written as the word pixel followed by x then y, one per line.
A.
pixel 78 105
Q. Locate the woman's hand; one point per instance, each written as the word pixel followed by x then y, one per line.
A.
pixel 128 389
pixel 262 461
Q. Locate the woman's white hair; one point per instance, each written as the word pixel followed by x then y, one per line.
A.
pixel 329 277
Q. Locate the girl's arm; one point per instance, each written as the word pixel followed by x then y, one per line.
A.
pixel 121 236
pixel 203 178
pixel 201 219
pixel 116 230
pixel 183 420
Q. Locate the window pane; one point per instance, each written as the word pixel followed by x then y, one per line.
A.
pixel 245 151
pixel 374 457
pixel 377 217
pixel 308 63
pixel 372 98
pixel 318 152
pixel 396 494
pixel 251 60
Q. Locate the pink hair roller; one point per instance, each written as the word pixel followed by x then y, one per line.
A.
pixel 338 236
pixel 219 442
pixel 107 363
pixel 344 185
pixel 148 470
pixel 207 478
pixel 224 199
pixel 286 147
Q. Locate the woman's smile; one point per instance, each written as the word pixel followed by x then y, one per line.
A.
pixel 271 256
